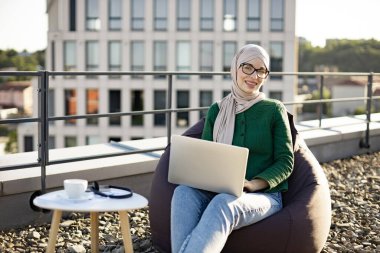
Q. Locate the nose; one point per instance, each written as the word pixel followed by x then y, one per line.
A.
pixel 254 74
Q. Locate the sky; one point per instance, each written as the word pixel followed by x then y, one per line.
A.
pixel 23 23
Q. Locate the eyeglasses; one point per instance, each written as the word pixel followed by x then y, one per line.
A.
pixel 248 69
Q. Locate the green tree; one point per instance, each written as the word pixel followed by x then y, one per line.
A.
pixel 346 55
pixel 11 145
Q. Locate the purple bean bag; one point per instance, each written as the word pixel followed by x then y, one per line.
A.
pixel 301 226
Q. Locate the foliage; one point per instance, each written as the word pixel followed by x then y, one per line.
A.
pixel 11 145
pixel 23 61
pixel 312 108
pixel 345 55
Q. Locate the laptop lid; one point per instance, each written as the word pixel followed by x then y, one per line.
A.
pixel 207 165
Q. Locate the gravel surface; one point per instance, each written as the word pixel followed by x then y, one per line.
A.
pixel 355 192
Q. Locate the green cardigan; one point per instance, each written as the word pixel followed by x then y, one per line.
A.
pixel 263 129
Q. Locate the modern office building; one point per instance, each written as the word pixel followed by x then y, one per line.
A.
pixel 154 35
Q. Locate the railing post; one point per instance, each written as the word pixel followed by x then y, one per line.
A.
pixel 43 125
pixel 169 107
pixel 365 143
pixel 320 105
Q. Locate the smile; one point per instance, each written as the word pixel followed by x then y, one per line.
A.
pixel 251 84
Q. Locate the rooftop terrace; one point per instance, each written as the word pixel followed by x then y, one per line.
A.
pixel 355 192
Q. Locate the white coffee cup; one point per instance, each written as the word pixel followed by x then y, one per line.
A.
pixel 75 188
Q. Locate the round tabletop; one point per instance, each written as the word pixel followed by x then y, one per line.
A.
pixel 89 202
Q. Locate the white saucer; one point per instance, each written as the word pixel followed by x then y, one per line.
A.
pixel 83 197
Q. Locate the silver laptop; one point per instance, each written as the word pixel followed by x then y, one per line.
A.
pixel 207 165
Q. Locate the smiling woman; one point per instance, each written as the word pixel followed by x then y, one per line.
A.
pixel 23 28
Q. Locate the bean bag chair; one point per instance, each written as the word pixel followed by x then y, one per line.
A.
pixel 301 226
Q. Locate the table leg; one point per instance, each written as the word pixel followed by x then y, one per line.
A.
pixel 57 214
pixel 126 231
pixel 94 231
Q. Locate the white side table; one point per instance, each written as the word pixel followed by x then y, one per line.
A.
pixel 58 202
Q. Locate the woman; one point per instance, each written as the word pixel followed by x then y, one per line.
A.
pixel 201 221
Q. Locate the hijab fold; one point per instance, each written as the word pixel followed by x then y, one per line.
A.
pixel 237 101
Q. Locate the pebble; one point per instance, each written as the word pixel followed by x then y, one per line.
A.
pixel 354 186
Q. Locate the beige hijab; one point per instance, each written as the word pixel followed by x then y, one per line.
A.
pixel 237 101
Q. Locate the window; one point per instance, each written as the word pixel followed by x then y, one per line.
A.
pixel 51 142
pixel 253 42
pixel 51 105
pixel 70 141
pixel 160 15
pixel 137 57
pixel 92 105
pixel 230 15
pixel 276 95
pixel 159 104
pixel 160 57
pixel 205 99
pixel 225 93
pixel 137 104
pixel 137 15
pixel 277 15
pixel 114 139
pixel 72 15
pixel 253 15
pixel 183 15
pixel 207 15
pixel 206 57
pixel 92 15
pixel 276 58
pixel 70 104
pixel 183 58
pixel 69 57
pixel 52 51
pixel 114 105
pixel 92 139
pixel 92 56
pixel 28 143
pixel 114 57
pixel 229 49
pixel 183 101
pixel 114 15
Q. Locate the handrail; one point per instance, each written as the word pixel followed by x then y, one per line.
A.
pixel 43 119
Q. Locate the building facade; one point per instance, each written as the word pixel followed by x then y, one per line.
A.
pixel 155 35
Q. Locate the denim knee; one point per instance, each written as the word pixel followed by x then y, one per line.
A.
pixel 223 202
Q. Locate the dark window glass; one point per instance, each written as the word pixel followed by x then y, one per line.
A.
pixel 114 105
pixel 183 101
pixel 73 14
pixel 159 104
pixel 28 143
pixel 137 104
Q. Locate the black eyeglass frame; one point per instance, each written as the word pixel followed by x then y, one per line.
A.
pixel 254 70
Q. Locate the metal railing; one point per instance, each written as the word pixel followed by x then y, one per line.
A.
pixel 43 119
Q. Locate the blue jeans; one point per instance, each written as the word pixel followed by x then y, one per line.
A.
pixel 201 221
